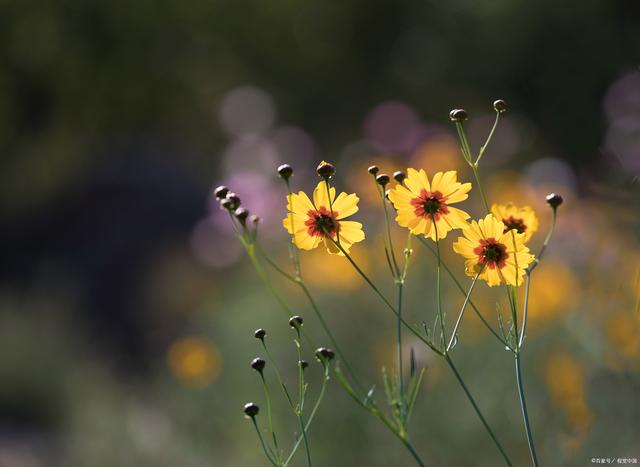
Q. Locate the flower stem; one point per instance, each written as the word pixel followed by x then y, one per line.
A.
pixel 486 143
pixel 311 415
pixel 474 168
pixel 264 446
pixel 525 415
pixel 461 289
pixel 477 409
pixel 464 306
pixel 399 342
pixel 269 416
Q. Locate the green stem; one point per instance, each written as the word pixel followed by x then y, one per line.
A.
pixel 477 409
pixel 399 341
pixel 264 446
pixel 474 168
pixel 301 394
pixel 464 306
pixel 525 415
pixel 486 143
pixel 269 417
pixel 525 308
pixel 382 297
pixel 438 291
pixel 546 241
pixel 311 415
pixel 462 291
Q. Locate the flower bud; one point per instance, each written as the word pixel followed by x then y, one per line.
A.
pixel 326 170
pixel 254 219
pixel 323 353
pixel 259 334
pixel 303 364
pixel 251 409
pixel 295 321
pixel 221 191
pixel 500 106
pixel 458 115
pixel 235 200
pixel 227 204
pixel 382 179
pixel 258 364
pixel 285 171
pixel 241 214
pixel 399 176
pixel 554 200
pixel 373 170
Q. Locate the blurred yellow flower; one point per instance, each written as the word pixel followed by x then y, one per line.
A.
pixel 332 272
pixel 194 361
pixel 501 255
pixel 419 203
pixel 310 223
pixel 553 291
pixel 564 377
pixel 623 330
pixel 521 219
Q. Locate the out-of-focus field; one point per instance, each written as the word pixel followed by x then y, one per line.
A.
pixel 127 307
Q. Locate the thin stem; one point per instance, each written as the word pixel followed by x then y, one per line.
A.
pixel 399 341
pixel 477 410
pixel 525 415
pixel 269 417
pixel 438 294
pixel 474 168
pixel 525 308
pixel 278 375
pixel 326 181
pixel 311 415
pixel 396 271
pixel 301 394
pixel 373 410
pixel 264 446
pixel 461 289
pixel 546 241
pixel 486 143
pixel 464 306
pixel 382 297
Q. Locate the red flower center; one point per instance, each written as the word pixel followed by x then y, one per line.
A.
pixel 512 223
pixel 491 253
pixel 321 222
pixel 430 204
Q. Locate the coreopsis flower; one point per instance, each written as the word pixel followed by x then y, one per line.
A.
pixel 312 223
pixel 521 219
pixel 499 254
pixel 420 203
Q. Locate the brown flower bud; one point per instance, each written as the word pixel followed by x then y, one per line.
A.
pixel 382 179
pixel 399 176
pixel 221 191
pixel 251 410
pixel 285 171
pixel 326 170
pixel 554 200
pixel 458 115
pixel 500 106
pixel 373 170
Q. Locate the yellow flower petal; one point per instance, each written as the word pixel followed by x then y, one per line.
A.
pixel 320 198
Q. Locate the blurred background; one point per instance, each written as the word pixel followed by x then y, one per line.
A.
pixel 127 307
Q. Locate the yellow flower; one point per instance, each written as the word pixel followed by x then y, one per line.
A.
pixel 500 255
pixel 310 223
pixel 522 219
pixel 420 203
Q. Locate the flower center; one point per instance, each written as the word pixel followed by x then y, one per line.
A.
pixel 491 253
pixel 321 222
pixel 512 223
pixel 430 204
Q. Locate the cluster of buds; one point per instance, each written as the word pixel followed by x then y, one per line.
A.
pixel 232 203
